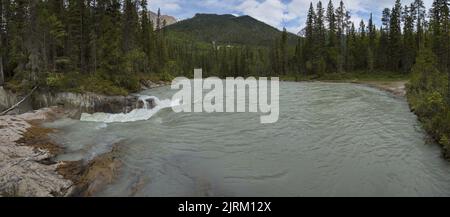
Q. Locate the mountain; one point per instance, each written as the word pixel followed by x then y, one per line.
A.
pixel 169 19
pixel 227 29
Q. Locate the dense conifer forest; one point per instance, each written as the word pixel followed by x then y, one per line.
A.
pixel 71 44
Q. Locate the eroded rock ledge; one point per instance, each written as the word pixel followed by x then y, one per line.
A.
pixel 90 178
pixel 87 102
pixel 27 166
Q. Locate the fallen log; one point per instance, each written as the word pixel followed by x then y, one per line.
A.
pixel 20 102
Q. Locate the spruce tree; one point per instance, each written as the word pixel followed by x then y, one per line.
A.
pixel 284 51
pixel 439 24
pixel 419 14
pixel 310 38
pixel 409 42
pixel 332 46
pixel 331 19
pixel 395 38
pixel 372 32
pixel 130 26
pixel 341 21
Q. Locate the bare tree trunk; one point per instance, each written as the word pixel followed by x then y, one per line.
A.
pixel 2 75
pixel 20 102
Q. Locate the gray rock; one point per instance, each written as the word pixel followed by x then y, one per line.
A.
pixel 87 102
pixel 21 171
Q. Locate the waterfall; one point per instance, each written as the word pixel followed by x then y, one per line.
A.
pixel 144 98
pixel 139 114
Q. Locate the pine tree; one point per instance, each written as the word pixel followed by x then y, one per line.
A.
pixel 299 59
pixel 341 21
pixel 320 28
pixel 395 37
pixel 418 14
pixel 109 54
pixel 310 38
pixel 363 48
pixel 362 29
pixel 284 52
pixel 17 32
pixel 409 42
pixel 383 48
pixel 320 42
pixel 439 24
pixel 146 31
pixel 130 26
pixel 76 39
pixel 35 58
pixel 331 19
pixel 158 20
pixel 372 33
pixel 352 48
pixel 332 48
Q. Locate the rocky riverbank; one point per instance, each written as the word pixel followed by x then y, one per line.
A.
pixel 27 166
pixel 77 102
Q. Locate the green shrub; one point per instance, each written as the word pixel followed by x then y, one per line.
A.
pixel 55 80
pixel 428 97
pixel 97 84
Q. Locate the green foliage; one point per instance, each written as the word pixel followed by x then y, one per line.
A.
pixel 427 95
pixel 55 80
pixel 77 82
pixel 98 85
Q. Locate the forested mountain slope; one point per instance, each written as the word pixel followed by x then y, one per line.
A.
pixel 227 29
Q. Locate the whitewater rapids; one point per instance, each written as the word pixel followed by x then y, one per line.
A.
pixel 141 114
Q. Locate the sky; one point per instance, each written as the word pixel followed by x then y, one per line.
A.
pixel 290 14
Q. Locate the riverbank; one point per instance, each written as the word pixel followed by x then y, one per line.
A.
pixel 394 83
pixel 27 153
pixel 73 178
pixel 28 168
pixel 26 156
pixel 357 124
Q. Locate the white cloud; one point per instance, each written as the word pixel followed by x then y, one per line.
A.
pixel 273 12
pixel 166 6
pixel 279 13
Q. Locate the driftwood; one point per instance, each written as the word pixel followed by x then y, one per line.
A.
pixel 20 102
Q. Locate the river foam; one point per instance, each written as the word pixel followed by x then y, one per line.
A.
pixel 141 114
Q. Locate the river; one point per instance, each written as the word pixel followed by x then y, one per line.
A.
pixel 331 140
